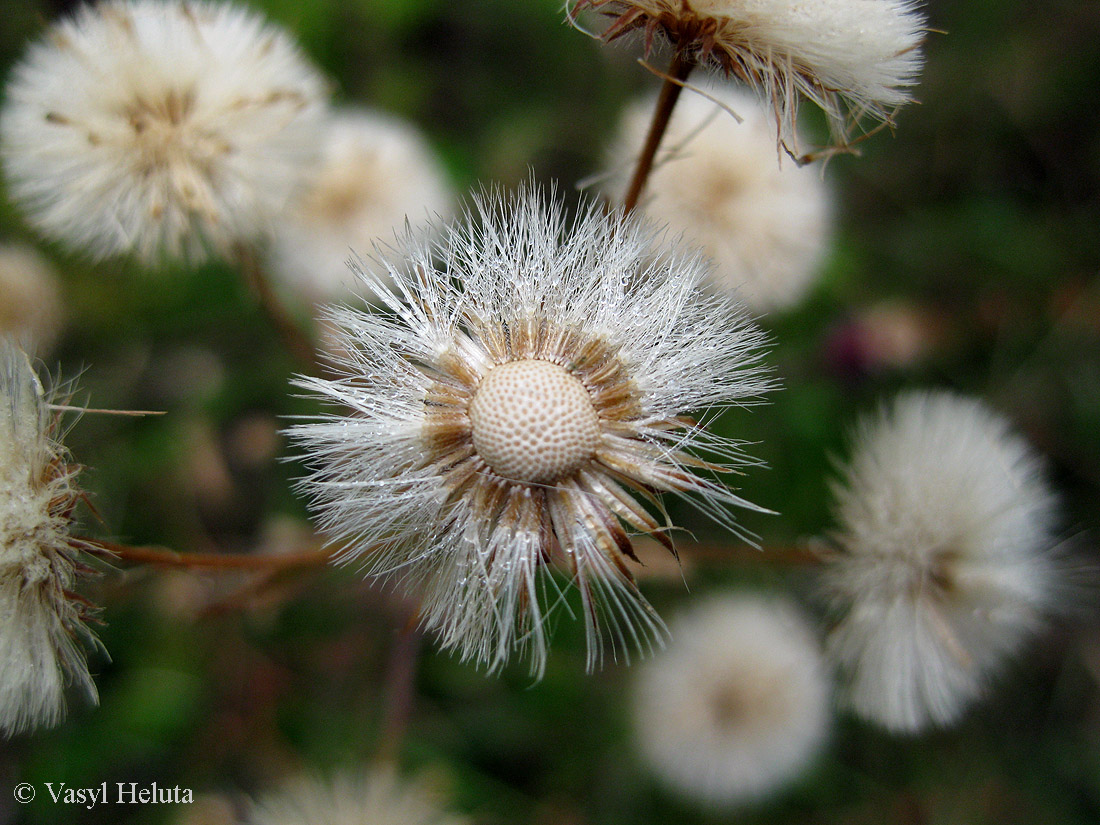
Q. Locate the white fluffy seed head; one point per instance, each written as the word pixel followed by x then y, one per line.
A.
pixel 40 622
pixel 764 222
pixel 738 703
pixel 159 126
pixel 376 172
pixel 378 797
pixel 943 570
pixel 520 398
pixel 533 421
pixel 31 310
pixel 853 58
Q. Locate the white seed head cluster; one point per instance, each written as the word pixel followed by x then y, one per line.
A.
pixel 516 406
pixel 40 622
pixel 375 798
pixel 765 224
pixel 159 126
pixel 943 569
pixel 31 310
pixel 738 704
pixel 376 172
pixel 853 58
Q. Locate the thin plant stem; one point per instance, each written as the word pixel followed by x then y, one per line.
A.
pixel 399 689
pixel 746 555
pixel 163 557
pixel 293 336
pixel 692 553
pixel 678 71
pixel 706 553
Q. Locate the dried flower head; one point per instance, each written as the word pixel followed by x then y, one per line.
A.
pixel 738 704
pixel 765 225
pixel 850 57
pixel 376 798
pixel 41 620
pixel 518 406
pixel 942 571
pixel 31 311
pixel 153 126
pixel 376 171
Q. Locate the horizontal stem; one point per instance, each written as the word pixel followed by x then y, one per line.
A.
pixel 704 553
pixel 744 554
pixel 164 557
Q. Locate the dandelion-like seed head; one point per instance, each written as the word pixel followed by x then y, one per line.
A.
pixel 378 797
pixel 41 620
pixel 943 570
pixel 31 312
pixel 738 704
pixel 376 172
pixel 765 225
pixel 159 126
pixel 853 58
pixel 517 406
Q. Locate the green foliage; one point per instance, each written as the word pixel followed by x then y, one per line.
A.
pixel 979 216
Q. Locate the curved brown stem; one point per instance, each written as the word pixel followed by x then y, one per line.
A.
pixel 293 336
pixel 743 554
pixel 163 557
pixel 678 71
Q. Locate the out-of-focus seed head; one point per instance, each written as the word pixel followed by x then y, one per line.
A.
pixel 943 569
pixel 159 126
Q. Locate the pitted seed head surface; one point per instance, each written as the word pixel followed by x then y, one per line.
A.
pixel 533 421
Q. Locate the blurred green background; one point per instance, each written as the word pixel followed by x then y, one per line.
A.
pixel 973 233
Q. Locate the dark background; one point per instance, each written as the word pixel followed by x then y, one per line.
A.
pixel 975 230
